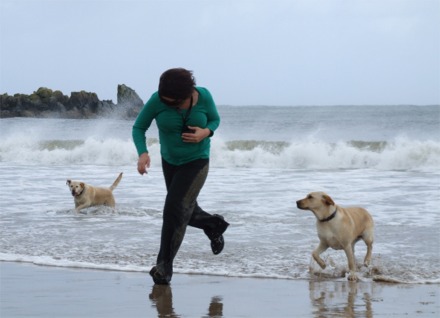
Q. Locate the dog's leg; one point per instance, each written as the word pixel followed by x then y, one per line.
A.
pixel 319 250
pixel 112 203
pixel 80 207
pixel 369 244
pixel 351 262
pixel 368 238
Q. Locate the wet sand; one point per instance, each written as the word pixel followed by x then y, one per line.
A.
pixel 28 290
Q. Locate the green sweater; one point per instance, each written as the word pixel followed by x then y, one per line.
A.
pixel 169 122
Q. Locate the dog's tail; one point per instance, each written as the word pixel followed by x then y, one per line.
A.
pixel 115 184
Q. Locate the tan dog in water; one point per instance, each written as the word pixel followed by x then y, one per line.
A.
pixel 339 228
pixel 86 195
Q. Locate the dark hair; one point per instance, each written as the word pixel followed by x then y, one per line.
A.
pixel 176 83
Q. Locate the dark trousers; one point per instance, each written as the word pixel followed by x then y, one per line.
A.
pixel 183 185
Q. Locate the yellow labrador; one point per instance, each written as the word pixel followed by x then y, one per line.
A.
pixel 339 228
pixel 86 195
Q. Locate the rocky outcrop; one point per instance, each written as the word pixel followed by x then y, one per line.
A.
pixel 47 103
pixel 126 99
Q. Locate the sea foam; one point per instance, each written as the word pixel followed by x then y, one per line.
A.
pixel 399 154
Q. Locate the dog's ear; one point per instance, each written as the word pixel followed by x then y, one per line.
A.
pixel 82 184
pixel 68 182
pixel 327 200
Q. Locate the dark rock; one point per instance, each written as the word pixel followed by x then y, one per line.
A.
pixel 47 103
pixel 129 103
pixel 85 104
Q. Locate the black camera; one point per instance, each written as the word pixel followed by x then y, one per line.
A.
pixel 186 129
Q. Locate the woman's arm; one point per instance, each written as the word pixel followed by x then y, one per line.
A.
pixel 141 125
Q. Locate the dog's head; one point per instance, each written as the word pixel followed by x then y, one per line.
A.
pixel 317 202
pixel 76 188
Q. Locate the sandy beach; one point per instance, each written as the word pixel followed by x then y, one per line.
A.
pixel 29 290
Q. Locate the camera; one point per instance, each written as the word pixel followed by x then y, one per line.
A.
pixel 186 129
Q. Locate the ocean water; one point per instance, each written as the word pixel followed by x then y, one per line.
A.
pixel 384 158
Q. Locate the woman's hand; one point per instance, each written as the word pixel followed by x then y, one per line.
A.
pixel 143 163
pixel 197 136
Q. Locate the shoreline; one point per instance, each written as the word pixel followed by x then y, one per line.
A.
pixel 43 291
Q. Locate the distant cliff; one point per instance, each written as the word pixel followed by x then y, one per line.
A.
pixel 47 103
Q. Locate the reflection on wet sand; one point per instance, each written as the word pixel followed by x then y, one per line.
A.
pixel 161 297
pixel 344 299
pixel 207 296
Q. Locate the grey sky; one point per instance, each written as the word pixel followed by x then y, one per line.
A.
pixel 247 52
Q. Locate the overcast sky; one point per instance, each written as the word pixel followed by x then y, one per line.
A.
pixel 246 52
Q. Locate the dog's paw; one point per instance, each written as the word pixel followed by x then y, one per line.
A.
pixel 352 277
pixel 321 263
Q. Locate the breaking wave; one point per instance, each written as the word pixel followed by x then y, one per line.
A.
pixel 398 154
